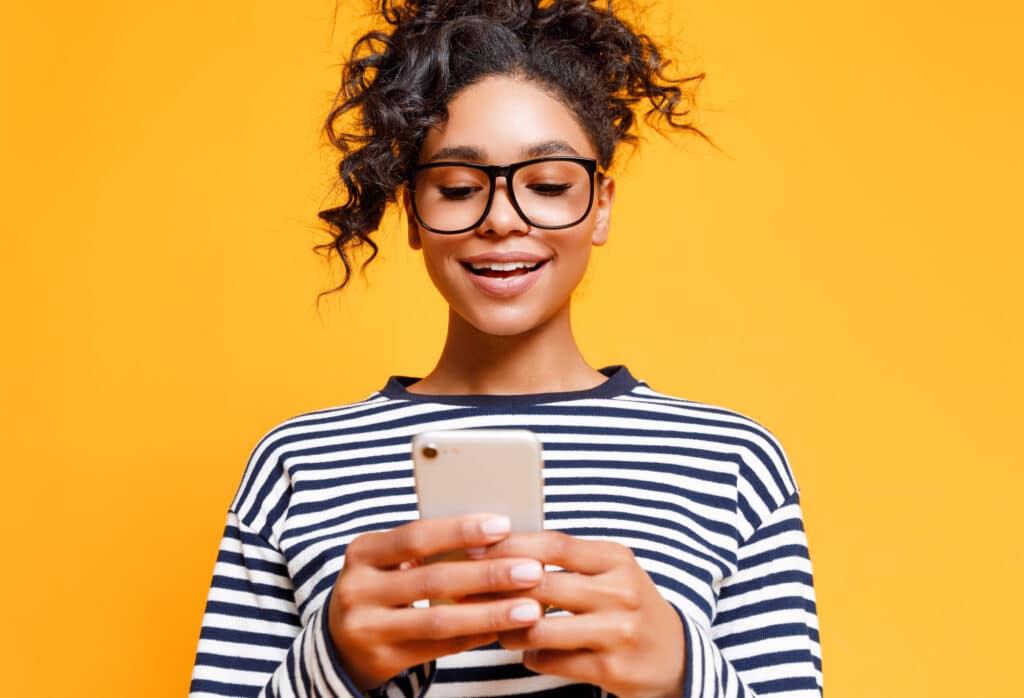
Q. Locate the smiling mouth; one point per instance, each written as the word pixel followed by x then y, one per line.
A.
pixel 506 270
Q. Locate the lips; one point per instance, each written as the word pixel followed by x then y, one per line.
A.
pixel 502 270
pixel 504 274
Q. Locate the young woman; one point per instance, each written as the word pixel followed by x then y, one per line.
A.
pixel 676 525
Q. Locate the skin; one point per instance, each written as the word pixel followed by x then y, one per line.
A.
pixel 523 343
pixel 621 635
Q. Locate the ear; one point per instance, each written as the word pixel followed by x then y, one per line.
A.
pixel 410 217
pixel 605 198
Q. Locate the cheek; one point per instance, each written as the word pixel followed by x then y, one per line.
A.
pixel 441 267
pixel 435 267
pixel 576 257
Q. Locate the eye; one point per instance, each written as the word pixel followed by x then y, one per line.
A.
pixel 549 189
pixel 456 193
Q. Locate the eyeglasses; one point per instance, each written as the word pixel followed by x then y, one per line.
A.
pixel 549 192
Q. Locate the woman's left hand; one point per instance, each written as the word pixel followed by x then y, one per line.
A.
pixel 622 635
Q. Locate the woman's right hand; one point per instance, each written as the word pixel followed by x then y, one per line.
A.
pixel 376 630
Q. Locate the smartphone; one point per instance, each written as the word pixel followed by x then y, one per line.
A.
pixel 465 471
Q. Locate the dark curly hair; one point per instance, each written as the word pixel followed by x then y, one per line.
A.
pixel 396 84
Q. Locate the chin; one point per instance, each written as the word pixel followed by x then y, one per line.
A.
pixel 506 322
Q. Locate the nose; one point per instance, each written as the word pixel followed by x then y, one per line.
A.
pixel 502 218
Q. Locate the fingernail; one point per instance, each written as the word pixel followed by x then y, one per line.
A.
pixel 524 613
pixel 496 525
pixel 476 552
pixel 526 571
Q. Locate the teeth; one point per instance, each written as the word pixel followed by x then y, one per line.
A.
pixel 496 266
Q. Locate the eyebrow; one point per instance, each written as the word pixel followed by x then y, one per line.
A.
pixel 471 153
pixel 539 150
pixel 467 153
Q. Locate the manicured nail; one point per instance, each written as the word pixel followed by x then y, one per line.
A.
pixel 496 525
pixel 524 613
pixel 526 571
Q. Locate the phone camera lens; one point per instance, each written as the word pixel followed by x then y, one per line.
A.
pixel 430 451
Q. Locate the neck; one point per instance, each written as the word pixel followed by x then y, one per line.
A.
pixel 546 359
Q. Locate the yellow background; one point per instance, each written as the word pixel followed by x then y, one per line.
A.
pixel 847 271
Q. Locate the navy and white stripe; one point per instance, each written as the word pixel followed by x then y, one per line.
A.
pixel 703 495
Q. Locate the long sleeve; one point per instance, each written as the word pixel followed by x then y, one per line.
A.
pixel 253 641
pixel 764 637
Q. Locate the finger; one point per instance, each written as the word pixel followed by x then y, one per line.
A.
pixel 419 539
pixel 582 665
pixel 569 552
pixel 454 580
pixel 422 651
pixel 581 593
pixel 454 620
pixel 555 590
pixel 591 631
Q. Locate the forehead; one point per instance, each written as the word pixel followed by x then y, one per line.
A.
pixel 502 119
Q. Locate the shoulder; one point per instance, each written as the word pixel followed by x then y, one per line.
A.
pixel 265 486
pixel 765 480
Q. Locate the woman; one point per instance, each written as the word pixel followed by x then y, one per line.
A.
pixel 676 525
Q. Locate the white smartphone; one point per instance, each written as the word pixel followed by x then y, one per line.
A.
pixel 465 471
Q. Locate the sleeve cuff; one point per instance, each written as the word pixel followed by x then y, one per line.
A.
pixel 695 664
pixel 411 682
pixel 333 672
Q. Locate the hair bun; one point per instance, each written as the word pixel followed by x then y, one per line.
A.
pixel 397 12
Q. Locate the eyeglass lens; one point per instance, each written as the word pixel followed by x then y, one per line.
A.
pixel 551 193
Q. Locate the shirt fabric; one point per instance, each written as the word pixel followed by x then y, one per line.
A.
pixel 703 495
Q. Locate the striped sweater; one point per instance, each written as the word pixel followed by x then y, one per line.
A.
pixel 704 497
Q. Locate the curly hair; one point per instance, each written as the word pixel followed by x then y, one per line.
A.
pixel 397 84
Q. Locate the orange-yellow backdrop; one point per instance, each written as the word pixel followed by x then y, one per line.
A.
pixel 847 271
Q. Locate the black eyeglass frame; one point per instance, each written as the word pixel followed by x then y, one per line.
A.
pixel 506 171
